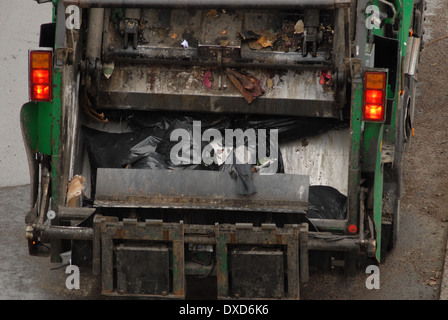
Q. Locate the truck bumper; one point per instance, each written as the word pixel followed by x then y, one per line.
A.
pixel 152 258
pixel 235 248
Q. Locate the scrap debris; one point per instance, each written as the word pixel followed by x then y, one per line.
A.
pixel 270 82
pixel 299 27
pixel 206 79
pixel 75 190
pixel 212 13
pixel 267 39
pixel 289 37
pixel 223 41
pixel 325 78
pixel 184 44
pixel 247 85
pixel 248 35
pixel 260 40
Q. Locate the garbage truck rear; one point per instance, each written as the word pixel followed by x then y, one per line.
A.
pixel 243 142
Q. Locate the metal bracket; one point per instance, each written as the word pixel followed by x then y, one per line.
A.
pixel 312 33
pixel 131 23
pixel 64 56
pixel 130 32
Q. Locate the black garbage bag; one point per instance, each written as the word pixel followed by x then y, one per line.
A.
pixel 111 150
pixel 326 202
pixel 163 120
pixel 144 156
pixel 290 128
pixel 155 120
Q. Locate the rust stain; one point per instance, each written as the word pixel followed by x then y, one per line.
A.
pixel 278 239
pixel 119 233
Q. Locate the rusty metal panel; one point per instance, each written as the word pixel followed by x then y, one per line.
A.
pixel 142 269
pixel 177 88
pixel 257 273
pixel 199 189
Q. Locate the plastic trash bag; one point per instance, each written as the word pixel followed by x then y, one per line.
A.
pixel 326 202
pixel 110 150
pixel 144 156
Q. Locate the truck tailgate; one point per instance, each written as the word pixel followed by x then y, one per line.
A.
pixel 190 189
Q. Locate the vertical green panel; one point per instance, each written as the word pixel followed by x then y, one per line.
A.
pixel 29 124
pixel 355 152
pixel 222 272
pixel 378 193
pixel 407 13
pixel 372 162
pixel 56 135
pixel 44 118
pixel 55 5
pixel 357 121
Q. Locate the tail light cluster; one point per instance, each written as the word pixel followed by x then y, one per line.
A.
pixel 40 75
pixel 374 96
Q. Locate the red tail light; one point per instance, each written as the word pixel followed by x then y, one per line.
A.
pixel 352 228
pixel 374 96
pixel 40 76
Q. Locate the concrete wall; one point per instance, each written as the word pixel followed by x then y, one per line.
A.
pixel 20 22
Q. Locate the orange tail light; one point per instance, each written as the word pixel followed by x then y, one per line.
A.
pixel 40 75
pixel 374 96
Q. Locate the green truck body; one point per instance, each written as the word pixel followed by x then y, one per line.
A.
pixel 146 231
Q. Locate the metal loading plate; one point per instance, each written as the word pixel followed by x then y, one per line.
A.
pixel 199 189
pixel 181 60
pixel 176 88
